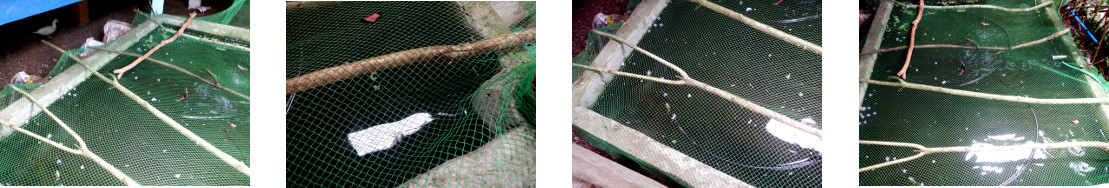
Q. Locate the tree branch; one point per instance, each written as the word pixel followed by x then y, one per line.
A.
pixel 119 72
pixel 441 53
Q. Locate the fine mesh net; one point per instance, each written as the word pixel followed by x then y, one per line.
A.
pixel 1018 66
pixel 379 96
pixel 123 132
pixel 738 59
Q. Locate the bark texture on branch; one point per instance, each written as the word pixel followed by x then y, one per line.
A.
pixel 444 53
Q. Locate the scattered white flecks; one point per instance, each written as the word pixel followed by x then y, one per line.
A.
pixel 178 176
pixel 59 161
pixel 749 121
pixel 127 165
pixel 170 59
pixel 159 80
pixel 933 161
pixel 934 78
pixel 800 94
pixel 648 73
pixel 688 95
pixel 57 174
pixel 665 94
pixel 944 82
pixel 48 135
pixel 916 69
pixel 787 76
pixel 733 85
pixel 82 167
pixel 935 62
pixel 749 9
pixel 136 77
pixel 769 55
pixel 163 151
pixel 887 158
pixel 154 99
pixel 673 116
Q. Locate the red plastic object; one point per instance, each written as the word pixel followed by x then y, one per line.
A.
pixel 372 17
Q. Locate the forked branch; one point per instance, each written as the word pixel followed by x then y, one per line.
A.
pixel 235 163
pixel 922 151
pixel 82 150
pixel 686 80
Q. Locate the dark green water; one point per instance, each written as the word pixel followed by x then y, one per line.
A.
pixel 132 139
pixel 319 153
pixel 731 56
pixel 941 120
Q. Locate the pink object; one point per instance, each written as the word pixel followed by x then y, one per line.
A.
pixel 372 17
pixel 1002 74
pixel 1075 122
pixel 985 24
pixel 241 67
pixel 232 124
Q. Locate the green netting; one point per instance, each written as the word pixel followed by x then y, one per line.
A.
pixel 1050 70
pixel 125 134
pixel 735 57
pixel 8 95
pixel 424 121
pixel 238 15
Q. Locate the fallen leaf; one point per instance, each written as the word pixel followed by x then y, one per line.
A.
pixel 183 97
pixel 241 67
pixel 372 17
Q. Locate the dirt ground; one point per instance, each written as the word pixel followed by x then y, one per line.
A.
pixel 20 49
pixel 583 13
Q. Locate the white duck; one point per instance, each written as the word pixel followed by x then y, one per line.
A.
pixel 46 31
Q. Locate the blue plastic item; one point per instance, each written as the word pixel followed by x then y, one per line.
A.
pixel 12 10
pixel 1088 33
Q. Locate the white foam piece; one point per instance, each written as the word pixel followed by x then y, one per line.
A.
pixel 793 135
pixel 384 136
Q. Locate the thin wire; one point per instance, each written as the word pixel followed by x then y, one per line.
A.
pixel 1031 154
